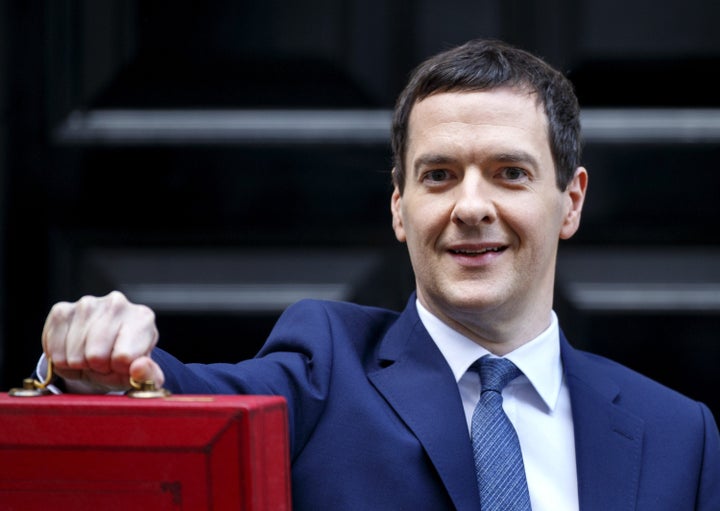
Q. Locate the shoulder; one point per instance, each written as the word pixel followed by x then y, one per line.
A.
pixel 624 375
pixel 678 435
pixel 324 313
pixel 635 391
pixel 320 322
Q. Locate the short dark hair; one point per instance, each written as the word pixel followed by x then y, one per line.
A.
pixel 483 65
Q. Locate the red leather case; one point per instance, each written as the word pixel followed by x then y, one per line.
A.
pixel 118 453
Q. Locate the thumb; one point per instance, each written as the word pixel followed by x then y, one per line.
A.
pixel 146 369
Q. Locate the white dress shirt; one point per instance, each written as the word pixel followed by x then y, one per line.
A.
pixel 537 403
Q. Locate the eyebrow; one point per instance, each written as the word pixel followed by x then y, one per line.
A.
pixel 432 159
pixel 515 156
pixel 518 156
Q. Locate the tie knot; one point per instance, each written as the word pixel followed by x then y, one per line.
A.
pixel 495 373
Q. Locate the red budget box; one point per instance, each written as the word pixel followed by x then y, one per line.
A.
pixel 117 453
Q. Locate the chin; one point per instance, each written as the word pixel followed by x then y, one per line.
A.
pixel 470 303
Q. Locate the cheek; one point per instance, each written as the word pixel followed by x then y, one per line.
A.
pixel 534 225
pixel 542 233
pixel 427 222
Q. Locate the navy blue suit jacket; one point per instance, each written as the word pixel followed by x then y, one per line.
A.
pixel 377 423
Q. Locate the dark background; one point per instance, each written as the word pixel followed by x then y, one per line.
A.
pixel 192 206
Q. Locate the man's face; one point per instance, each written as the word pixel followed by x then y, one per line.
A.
pixel 482 214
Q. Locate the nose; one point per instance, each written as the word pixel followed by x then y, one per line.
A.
pixel 474 204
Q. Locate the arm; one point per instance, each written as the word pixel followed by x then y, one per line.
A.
pixel 97 344
pixel 296 363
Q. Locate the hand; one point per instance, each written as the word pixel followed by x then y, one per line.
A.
pixel 103 341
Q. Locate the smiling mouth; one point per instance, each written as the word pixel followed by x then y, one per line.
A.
pixel 482 251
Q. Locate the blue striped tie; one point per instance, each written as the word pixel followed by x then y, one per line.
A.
pixel 498 459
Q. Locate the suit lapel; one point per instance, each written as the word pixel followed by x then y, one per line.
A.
pixel 608 439
pixel 419 385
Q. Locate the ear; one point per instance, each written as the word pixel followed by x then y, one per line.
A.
pixel 397 219
pixel 574 197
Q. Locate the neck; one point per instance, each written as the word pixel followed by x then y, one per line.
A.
pixel 499 333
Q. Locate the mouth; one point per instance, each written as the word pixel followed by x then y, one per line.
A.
pixel 477 251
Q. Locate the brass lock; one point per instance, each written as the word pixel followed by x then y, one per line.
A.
pixel 32 387
pixel 145 390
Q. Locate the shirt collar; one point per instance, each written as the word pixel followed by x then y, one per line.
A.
pixel 538 359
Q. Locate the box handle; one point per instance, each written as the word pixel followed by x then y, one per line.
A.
pixel 35 388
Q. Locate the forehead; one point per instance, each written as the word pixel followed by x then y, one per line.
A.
pixel 503 115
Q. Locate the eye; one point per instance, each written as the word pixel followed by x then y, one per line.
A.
pixel 436 176
pixel 514 174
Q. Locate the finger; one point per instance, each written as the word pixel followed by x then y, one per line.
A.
pixel 146 369
pixel 114 315
pixel 55 331
pixel 85 311
pixel 67 374
pixel 99 345
pixel 136 338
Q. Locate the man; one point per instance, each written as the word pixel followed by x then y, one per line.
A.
pixel 382 405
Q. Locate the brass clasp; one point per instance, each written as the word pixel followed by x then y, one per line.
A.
pixel 32 387
pixel 145 389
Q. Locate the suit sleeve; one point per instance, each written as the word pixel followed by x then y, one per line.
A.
pixel 709 491
pixel 295 362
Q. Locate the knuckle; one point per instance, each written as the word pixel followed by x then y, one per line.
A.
pixel 116 295
pixel 116 301
pixel 146 314
pixel 60 311
pixel 86 304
